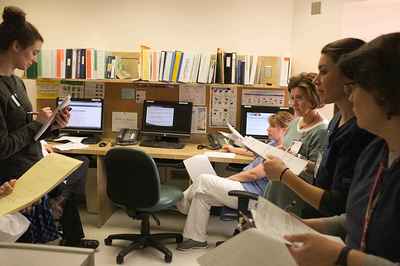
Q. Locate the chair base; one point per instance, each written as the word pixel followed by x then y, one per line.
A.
pixel 140 241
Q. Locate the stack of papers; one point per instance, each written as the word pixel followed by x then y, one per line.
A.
pixel 70 146
pixel 219 154
pixel 197 165
pixel 263 245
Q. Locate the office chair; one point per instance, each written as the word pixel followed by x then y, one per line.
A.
pixel 134 184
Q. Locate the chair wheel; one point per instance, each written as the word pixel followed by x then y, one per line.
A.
pixel 107 242
pixel 179 239
pixel 120 259
pixel 168 258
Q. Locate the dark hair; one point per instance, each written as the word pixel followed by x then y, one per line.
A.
pixel 281 119
pixel 15 28
pixel 340 47
pixel 304 81
pixel 375 67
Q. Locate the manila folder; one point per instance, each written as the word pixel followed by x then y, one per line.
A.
pixel 251 247
pixel 37 181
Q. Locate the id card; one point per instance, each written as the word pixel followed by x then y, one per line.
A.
pixel 295 148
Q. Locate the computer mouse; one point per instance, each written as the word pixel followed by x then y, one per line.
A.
pixel 102 144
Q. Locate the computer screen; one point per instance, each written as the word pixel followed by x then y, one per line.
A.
pixel 86 115
pixel 255 120
pixel 168 119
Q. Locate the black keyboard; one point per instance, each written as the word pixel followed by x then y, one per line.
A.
pixel 162 144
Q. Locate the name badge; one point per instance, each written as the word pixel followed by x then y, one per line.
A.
pixel 15 100
pixel 295 148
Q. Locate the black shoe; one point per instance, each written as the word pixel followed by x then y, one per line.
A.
pixel 82 243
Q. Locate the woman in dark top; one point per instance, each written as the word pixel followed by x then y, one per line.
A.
pixel 20 43
pixel 372 212
pixel 345 141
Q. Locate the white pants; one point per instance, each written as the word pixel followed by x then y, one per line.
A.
pixel 206 191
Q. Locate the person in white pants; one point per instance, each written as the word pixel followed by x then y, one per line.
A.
pixel 209 190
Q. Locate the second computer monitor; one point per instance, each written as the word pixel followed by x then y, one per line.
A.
pixel 255 120
pixel 167 119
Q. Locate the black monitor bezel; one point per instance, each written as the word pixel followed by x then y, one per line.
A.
pixel 164 133
pixel 258 109
pixel 85 130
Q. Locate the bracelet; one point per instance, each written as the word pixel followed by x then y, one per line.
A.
pixel 342 258
pixel 282 173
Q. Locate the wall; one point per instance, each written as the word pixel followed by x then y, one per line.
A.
pixel 259 26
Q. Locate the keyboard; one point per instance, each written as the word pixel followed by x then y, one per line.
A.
pixel 162 144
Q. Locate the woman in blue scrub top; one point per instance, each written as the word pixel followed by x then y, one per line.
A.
pixel 372 219
pixel 344 143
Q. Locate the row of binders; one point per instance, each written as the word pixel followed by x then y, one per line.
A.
pixel 223 67
pixel 77 64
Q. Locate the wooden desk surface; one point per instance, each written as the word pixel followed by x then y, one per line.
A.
pixel 188 151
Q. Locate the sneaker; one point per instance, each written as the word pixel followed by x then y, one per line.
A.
pixel 191 244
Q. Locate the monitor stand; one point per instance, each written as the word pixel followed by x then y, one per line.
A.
pixel 162 142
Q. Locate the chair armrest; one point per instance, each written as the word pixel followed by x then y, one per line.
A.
pixel 243 200
pixel 243 194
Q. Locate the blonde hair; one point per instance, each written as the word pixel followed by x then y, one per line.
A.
pixel 280 119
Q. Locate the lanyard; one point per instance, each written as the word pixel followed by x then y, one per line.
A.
pixel 373 198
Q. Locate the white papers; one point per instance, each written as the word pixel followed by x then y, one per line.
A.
pixel 295 164
pixel 70 139
pixel 263 97
pixel 195 93
pixel 140 96
pixel 222 106
pixel 45 126
pixel 124 120
pixel 70 146
pixel 249 248
pixel 199 120
pixel 12 226
pixel 218 154
pixel 197 165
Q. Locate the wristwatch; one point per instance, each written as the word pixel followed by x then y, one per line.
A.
pixel 342 258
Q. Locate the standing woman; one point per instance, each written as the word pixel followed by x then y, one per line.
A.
pixel 20 43
pixel 345 141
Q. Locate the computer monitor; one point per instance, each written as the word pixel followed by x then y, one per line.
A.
pixel 167 121
pixel 86 117
pixel 254 120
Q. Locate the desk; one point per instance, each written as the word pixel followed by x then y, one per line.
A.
pixel 104 207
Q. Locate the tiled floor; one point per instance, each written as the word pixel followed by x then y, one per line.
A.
pixel 170 222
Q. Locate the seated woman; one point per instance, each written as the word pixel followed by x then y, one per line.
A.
pixel 210 190
pixel 12 226
pixel 328 194
pixel 305 137
pixel 372 212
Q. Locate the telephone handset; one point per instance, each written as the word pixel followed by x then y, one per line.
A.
pixel 127 136
pixel 216 140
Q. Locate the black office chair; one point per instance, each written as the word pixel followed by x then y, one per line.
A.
pixel 134 184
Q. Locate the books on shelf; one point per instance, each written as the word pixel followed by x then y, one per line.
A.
pixel 169 66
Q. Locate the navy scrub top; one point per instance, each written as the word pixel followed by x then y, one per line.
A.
pixel 342 149
pixel 383 235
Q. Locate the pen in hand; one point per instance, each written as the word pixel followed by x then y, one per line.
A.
pixel 32 113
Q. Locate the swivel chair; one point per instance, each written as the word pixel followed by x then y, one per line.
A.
pixel 134 184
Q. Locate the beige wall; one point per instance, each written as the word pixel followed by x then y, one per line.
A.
pixel 261 27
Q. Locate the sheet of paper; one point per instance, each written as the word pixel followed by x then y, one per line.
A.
pixel 219 154
pixel 70 138
pixel 70 146
pixel 295 164
pixel 45 126
pixel 140 96
pixel 195 93
pixel 222 106
pixel 263 97
pixel 250 247
pixel 38 180
pixel 199 120
pixel 197 165
pixel 124 120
